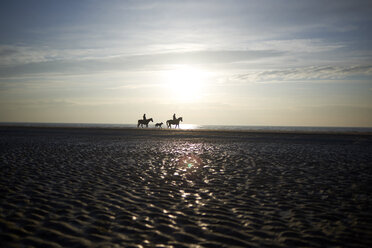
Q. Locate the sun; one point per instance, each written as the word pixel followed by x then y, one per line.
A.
pixel 185 83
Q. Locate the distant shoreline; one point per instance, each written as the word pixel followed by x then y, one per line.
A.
pixel 200 128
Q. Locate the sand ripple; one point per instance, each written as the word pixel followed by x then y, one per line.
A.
pixel 74 190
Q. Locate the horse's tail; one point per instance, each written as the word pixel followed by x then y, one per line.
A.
pixel 139 121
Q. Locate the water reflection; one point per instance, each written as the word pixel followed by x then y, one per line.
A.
pixel 190 126
pixel 189 161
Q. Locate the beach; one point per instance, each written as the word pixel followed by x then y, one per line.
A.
pixel 102 187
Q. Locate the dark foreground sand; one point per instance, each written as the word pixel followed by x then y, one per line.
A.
pixel 147 188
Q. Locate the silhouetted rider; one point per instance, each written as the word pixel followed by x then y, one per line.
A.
pixel 174 117
pixel 144 117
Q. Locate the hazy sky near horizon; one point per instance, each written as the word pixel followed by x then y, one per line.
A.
pixel 303 63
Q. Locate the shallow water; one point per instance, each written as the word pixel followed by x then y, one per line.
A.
pixel 69 189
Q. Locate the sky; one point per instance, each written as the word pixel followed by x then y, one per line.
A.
pixel 271 63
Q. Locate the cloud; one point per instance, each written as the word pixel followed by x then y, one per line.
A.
pixel 306 73
pixel 299 45
pixel 207 57
pixel 76 65
pixel 13 55
pixel 6 51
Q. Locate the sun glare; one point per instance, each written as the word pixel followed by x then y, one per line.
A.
pixel 186 83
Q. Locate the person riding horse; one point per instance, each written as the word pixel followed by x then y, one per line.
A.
pixel 144 121
pixel 175 121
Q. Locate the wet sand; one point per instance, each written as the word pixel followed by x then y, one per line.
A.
pixel 85 187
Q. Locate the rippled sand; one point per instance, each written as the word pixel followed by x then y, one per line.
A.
pixel 148 188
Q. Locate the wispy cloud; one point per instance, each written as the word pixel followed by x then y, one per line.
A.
pixel 76 64
pixel 13 55
pixel 299 45
pixel 306 73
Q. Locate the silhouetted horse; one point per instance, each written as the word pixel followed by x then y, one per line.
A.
pixel 174 122
pixel 144 122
